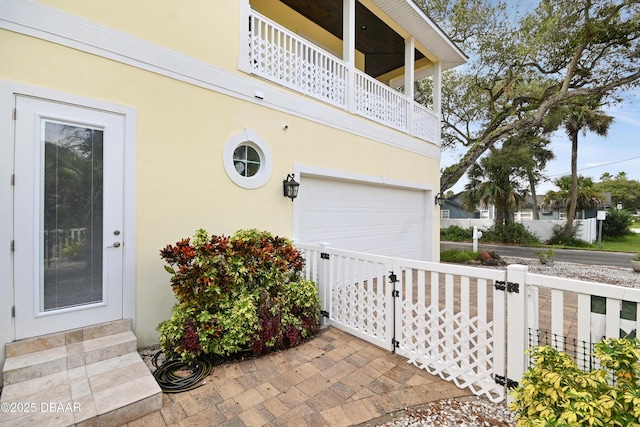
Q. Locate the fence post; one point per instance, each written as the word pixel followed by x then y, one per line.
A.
pixel 517 330
pixel 324 282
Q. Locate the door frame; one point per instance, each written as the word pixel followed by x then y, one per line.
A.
pixel 8 92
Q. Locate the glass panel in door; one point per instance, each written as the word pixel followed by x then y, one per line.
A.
pixel 68 216
pixel 72 219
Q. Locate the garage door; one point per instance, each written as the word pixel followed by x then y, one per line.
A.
pixel 377 219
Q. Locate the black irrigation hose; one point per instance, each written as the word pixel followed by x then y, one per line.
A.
pixel 169 382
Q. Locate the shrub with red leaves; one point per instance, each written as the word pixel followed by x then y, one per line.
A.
pixel 234 293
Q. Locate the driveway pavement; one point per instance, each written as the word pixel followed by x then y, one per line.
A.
pixel 332 380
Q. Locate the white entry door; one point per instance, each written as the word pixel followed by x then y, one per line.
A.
pixel 68 216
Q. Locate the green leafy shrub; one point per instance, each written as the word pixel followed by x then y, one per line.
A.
pixel 617 224
pixel 565 234
pixel 454 233
pixel 555 392
pixel 235 294
pixel 512 233
pixel 458 256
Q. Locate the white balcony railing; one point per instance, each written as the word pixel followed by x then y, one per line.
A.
pixel 380 102
pixel 281 56
pixel 426 124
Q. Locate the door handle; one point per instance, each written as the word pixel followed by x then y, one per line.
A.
pixel 115 245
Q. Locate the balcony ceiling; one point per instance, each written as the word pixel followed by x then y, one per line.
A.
pixel 383 47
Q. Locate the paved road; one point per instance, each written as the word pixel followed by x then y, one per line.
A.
pixel 618 259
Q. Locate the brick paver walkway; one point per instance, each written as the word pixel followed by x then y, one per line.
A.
pixel 332 380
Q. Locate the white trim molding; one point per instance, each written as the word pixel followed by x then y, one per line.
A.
pixel 251 138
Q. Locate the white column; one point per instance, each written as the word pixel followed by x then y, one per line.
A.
pixel 437 87
pixel 349 48
pixel 409 79
pixel 243 56
pixel 437 96
pixel 516 322
pixel 324 282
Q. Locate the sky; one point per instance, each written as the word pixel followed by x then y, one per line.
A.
pixel 618 152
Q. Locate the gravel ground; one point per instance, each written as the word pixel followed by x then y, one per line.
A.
pixel 467 412
pixel 478 412
pixel 593 273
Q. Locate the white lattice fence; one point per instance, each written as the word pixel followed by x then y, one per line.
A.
pixel 360 295
pixel 355 293
pixel 467 325
pixel 453 346
pixel 445 323
pixel 443 318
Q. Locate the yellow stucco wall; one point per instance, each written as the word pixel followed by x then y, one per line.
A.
pixel 203 29
pixel 181 131
pixel 184 31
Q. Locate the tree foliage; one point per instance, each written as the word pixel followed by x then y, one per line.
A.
pixel 525 65
pixel 587 195
pixel 581 116
pixel 623 190
pixel 503 176
pixel 617 224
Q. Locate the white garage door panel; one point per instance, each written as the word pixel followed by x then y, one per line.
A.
pixel 362 217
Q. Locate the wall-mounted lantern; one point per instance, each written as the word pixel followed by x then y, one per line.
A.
pixel 290 187
pixel 439 199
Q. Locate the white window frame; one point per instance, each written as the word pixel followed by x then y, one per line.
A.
pixel 248 137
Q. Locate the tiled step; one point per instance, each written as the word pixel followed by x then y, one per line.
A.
pixel 60 339
pixel 88 377
pixel 40 363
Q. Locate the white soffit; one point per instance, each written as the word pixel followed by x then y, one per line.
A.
pixel 408 15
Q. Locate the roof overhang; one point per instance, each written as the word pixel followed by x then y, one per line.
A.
pixel 412 19
pixel 382 26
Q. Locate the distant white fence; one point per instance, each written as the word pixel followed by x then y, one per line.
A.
pixel 468 325
pixel 542 228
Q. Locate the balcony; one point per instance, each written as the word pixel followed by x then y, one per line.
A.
pixel 281 56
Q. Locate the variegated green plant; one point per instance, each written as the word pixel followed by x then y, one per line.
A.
pixel 555 392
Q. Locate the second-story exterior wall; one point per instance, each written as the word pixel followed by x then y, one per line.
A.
pixel 204 30
pixel 175 74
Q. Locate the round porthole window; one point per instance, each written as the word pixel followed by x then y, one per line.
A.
pixel 247 159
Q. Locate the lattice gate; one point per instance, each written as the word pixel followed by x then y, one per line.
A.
pixel 448 320
pixel 448 324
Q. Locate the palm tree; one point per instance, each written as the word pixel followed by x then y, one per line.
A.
pixel 606 177
pixel 584 117
pixel 530 153
pixel 494 181
pixel 586 196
